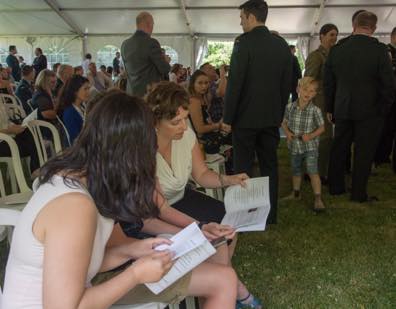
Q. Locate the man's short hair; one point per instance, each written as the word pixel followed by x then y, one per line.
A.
pixel 393 33
pixel 203 65
pixel 356 14
pixel 291 46
pixel 11 48
pixel 366 20
pixel 27 69
pixel 39 50
pixel 258 8
pixel 307 81
pixel 88 56
pixel 142 18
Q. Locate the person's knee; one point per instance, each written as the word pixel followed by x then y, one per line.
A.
pixel 227 280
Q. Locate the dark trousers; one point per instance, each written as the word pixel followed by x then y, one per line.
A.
pixel 384 149
pixel 365 134
pixel 264 143
pixel 26 148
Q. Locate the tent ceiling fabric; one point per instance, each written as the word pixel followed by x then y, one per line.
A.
pixel 97 17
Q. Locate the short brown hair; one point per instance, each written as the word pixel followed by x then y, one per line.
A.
pixel 307 81
pixel 366 20
pixel 165 98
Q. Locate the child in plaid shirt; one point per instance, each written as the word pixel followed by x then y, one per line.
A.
pixel 303 123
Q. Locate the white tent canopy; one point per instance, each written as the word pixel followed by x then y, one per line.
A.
pixel 70 28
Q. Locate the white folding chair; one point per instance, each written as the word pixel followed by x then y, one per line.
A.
pixel 14 166
pixel 41 144
pixel 215 162
pixel 14 106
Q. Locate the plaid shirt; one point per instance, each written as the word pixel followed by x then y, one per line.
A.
pixel 300 122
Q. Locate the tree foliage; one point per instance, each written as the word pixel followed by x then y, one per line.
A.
pixel 219 53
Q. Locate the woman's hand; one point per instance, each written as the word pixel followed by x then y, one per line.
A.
pixel 151 268
pixel 214 230
pixel 140 248
pixel 238 179
pixel 16 129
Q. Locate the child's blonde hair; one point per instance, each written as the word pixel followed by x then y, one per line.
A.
pixel 307 81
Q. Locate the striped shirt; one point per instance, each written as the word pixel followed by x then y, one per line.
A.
pixel 300 122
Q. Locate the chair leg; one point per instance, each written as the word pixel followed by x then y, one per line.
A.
pixel 2 188
pixel 14 186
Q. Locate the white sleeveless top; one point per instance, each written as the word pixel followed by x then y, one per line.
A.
pixel 24 272
pixel 173 179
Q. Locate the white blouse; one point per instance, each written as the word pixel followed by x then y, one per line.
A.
pixel 173 179
pixel 23 285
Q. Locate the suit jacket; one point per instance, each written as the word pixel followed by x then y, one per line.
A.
pixel 13 63
pixel 358 85
pixel 40 63
pixel 296 73
pixel 258 85
pixel 24 92
pixel 143 62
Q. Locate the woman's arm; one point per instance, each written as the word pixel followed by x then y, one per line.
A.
pixel 222 86
pixel 67 227
pixel 208 178
pixel 197 118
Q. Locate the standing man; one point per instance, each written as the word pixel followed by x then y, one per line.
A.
pixel 386 143
pixel 40 62
pixel 257 93
pixel 85 64
pixel 116 64
pixel 13 63
pixel 358 90
pixel 296 73
pixel 143 59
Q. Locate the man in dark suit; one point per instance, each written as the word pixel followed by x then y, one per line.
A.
pixel 358 91
pixel 296 73
pixel 257 93
pixel 13 63
pixel 40 62
pixel 143 59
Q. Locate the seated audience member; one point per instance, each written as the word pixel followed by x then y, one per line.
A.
pixel 74 93
pixel 217 88
pixel 78 70
pixel 176 73
pixel 22 137
pixel 55 67
pixel 178 159
pixel 209 132
pixel 63 74
pixel 6 86
pixel 25 88
pixel 43 100
pixel 109 72
pixel 303 124
pixel 40 62
pixel 99 80
pixel 89 194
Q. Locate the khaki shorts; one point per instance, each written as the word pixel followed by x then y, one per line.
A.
pixel 141 294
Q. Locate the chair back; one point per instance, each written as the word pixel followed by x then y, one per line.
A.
pixel 16 162
pixel 35 127
pixel 14 109
pixel 8 217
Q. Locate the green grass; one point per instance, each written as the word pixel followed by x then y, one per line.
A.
pixel 345 258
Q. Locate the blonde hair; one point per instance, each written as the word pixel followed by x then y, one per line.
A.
pixel 307 81
pixel 43 78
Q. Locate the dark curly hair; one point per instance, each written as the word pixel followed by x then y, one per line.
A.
pixel 165 99
pixel 116 154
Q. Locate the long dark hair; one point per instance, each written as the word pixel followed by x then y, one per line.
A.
pixel 68 93
pixel 193 79
pixel 116 154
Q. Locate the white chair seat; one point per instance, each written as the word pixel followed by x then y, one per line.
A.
pixel 15 200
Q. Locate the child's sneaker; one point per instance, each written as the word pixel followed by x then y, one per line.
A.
pixel 319 205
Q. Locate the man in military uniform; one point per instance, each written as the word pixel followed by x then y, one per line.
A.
pixel 384 149
pixel 257 93
pixel 358 92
